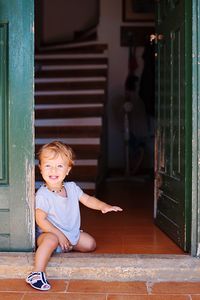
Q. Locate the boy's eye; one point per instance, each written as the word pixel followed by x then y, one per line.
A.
pixel 47 166
pixel 60 166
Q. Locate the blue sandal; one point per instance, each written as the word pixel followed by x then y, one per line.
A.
pixel 38 281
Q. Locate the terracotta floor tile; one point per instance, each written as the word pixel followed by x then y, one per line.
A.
pixel 57 296
pixel 176 288
pixel 107 287
pixel 11 296
pixel 21 285
pixel 195 297
pixel 14 285
pixel 149 249
pixel 132 231
pixel 75 296
pixel 149 297
pixel 58 285
pixel 44 296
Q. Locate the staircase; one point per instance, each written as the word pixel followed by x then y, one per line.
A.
pixel 70 92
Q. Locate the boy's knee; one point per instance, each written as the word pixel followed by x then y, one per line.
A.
pixel 52 240
pixel 91 245
pixel 86 243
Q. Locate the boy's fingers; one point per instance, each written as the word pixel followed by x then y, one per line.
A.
pixel 113 208
pixel 116 208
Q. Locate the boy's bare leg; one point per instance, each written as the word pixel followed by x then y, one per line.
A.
pixel 47 243
pixel 86 243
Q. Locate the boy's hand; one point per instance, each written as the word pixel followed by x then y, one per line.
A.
pixel 109 208
pixel 64 242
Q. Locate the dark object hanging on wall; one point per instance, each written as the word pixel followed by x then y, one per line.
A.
pixel 131 78
pixel 134 35
pixel 147 83
pixel 143 6
pixel 138 10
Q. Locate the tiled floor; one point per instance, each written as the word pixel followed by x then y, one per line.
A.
pixel 99 290
pixel 132 231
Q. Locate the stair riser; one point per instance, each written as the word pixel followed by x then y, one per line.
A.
pixel 96 48
pixel 68 113
pixel 71 73
pixel 71 61
pixel 69 132
pixel 57 86
pixel 69 99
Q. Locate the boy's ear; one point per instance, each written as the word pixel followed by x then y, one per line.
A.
pixel 68 170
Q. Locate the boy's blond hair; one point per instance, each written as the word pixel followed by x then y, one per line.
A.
pixel 55 148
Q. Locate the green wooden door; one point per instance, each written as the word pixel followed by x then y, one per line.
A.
pixel 16 125
pixel 173 130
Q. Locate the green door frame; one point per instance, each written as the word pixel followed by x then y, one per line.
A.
pixel 195 234
pixel 17 125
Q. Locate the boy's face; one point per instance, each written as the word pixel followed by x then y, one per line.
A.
pixel 54 169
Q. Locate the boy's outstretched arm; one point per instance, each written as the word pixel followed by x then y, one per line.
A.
pixel 97 204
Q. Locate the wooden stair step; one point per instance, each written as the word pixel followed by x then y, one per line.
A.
pixel 70 85
pixel 75 72
pixel 68 110
pixel 70 98
pixel 94 96
pixel 95 92
pixel 84 148
pixel 69 60
pixel 83 47
pixel 47 131
pixel 70 141
pixel 48 55
pixel 76 122
pixel 73 67
pixel 83 173
pixel 70 70
pixel 69 79
pixel 85 127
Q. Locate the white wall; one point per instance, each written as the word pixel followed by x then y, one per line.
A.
pixel 109 32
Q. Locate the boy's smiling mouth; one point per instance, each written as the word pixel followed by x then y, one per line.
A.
pixel 53 177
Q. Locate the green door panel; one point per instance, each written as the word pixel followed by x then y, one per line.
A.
pixel 3 104
pixel 173 165
pixel 16 123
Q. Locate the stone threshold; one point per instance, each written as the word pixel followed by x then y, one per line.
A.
pixel 106 267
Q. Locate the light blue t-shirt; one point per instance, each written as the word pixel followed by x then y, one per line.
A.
pixel 62 212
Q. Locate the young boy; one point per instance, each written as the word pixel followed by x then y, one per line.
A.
pixel 57 211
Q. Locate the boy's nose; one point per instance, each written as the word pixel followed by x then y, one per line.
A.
pixel 53 169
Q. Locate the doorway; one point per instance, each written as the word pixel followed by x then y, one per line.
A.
pixel 134 191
